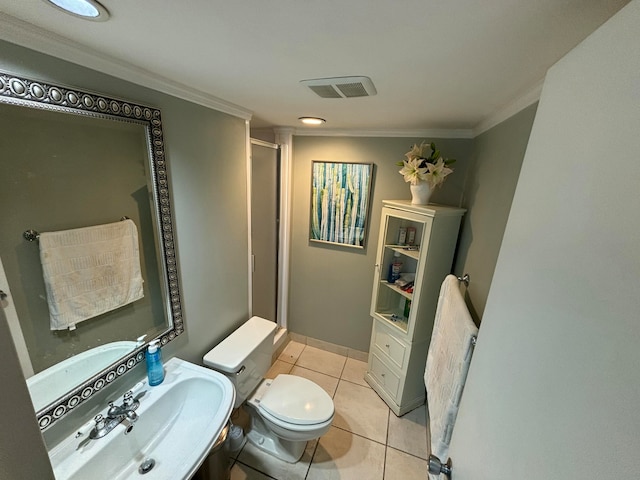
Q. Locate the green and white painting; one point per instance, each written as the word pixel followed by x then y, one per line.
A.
pixel 340 202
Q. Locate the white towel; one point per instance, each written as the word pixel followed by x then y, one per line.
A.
pixel 90 271
pixel 448 362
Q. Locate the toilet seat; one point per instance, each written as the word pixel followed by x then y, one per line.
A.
pixel 294 400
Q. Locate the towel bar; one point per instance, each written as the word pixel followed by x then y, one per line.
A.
pixel 31 235
pixel 465 279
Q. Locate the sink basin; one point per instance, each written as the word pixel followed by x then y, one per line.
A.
pixel 178 423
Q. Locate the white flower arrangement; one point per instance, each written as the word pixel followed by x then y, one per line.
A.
pixel 424 164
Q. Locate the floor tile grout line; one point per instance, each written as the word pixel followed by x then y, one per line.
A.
pixel 283 361
pixel 257 470
pixel 388 425
pixel 328 374
pixel 407 453
pixel 316 371
pixel 386 446
pixel 384 462
pixel 380 443
pixel 312 457
pixel 344 365
pixel 359 435
pixel 358 384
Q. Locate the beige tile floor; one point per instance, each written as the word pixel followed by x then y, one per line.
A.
pixel 366 441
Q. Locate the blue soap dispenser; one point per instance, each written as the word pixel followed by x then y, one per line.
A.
pixel 155 370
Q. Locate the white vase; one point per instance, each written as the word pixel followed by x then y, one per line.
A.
pixel 420 193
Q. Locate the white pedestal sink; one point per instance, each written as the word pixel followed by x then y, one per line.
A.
pixel 178 423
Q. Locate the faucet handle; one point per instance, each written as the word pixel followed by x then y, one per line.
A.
pixel 113 410
pixel 128 399
pixel 100 423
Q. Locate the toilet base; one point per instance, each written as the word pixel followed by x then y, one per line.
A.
pixel 285 450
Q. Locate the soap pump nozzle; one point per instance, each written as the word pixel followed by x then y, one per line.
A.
pixel 153 346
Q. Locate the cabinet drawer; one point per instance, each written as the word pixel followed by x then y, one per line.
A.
pixel 390 346
pixel 384 376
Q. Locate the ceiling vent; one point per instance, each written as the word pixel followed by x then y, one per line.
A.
pixel 341 87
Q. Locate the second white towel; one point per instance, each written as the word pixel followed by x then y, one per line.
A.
pixel 447 364
pixel 90 271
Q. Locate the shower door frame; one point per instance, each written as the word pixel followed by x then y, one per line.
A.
pixel 283 142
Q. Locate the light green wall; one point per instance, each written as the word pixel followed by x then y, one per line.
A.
pixel 330 286
pixel 491 183
pixel 207 166
pixel 330 290
pixel 20 432
pixel 553 389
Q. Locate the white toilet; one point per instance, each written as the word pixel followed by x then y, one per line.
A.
pixel 286 411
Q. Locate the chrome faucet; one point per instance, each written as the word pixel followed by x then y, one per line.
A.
pixel 126 411
pixel 116 414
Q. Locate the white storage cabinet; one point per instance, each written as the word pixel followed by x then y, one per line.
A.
pixel 403 320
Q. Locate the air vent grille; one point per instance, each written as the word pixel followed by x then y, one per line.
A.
pixel 325 91
pixel 341 87
pixel 352 90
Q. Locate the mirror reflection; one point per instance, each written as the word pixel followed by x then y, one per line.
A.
pixel 67 167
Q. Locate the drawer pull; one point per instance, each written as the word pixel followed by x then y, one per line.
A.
pixel 382 375
pixel 386 345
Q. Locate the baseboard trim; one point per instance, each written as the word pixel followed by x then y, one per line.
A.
pixel 330 347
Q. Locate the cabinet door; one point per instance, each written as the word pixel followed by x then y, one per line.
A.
pixel 385 342
pixel 399 267
pixel 387 379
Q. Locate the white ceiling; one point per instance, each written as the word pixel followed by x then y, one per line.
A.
pixel 436 64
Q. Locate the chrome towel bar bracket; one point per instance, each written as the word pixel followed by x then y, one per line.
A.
pixel 31 235
pixel 436 467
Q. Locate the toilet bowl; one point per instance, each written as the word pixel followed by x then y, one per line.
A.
pixel 286 411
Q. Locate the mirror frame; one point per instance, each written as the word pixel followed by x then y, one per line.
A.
pixel 21 91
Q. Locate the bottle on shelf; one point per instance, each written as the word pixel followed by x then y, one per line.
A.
pixel 395 268
pixel 407 308
pixel 411 235
pixel 402 235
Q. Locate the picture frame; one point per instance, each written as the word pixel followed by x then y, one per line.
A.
pixel 340 199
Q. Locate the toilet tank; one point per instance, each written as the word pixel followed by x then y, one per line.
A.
pixel 244 356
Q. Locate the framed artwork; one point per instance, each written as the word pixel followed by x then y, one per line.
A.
pixel 340 202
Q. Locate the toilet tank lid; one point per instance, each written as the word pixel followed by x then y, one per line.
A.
pixel 229 354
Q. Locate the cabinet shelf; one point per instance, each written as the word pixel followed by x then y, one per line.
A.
pixel 397 289
pixel 395 321
pixel 404 250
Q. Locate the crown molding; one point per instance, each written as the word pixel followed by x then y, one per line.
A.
pixel 28 35
pixel 530 97
pixel 429 133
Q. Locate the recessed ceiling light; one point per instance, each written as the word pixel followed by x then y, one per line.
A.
pixel 312 120
pixel 87 9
